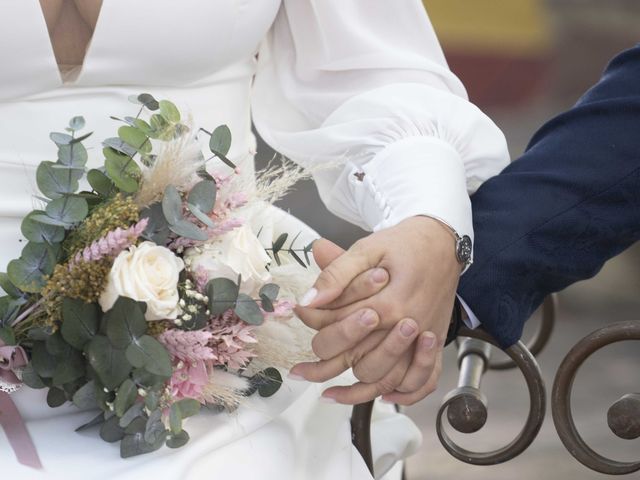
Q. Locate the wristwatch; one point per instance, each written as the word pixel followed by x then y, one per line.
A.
pixel 464 248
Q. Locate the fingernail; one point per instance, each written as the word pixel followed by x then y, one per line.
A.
pixel 297 378
pixel 379 275
pixel 324 399
pixel 427 341
pixel 407 328
pixel 308 297
pixel 367 318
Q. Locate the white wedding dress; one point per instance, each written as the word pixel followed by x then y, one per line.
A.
pixel 358 85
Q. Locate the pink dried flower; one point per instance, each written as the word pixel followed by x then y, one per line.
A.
pixel 282 309
pixel 189 380
pixel 230 339
pixel 189 346
pixel 111 244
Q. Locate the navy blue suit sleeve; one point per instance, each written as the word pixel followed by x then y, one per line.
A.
pixel 559 212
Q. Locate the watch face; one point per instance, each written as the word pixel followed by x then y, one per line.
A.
pixel 463 249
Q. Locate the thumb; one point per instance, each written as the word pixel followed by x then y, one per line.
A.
pixel 325 252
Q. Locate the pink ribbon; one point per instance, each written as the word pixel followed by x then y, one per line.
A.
pixel 10 419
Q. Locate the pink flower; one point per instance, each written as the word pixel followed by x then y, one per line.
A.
pixel 282 310
pixel 189 346
pixel 230 340
pixel 188 380
pixel 11 358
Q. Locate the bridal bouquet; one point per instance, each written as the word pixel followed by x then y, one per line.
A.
pixel 143 290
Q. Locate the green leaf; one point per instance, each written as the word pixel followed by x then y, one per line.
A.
pixel 31 378
pixel 248 310
pixel 279 243
pixel 125 322
pixel 38 232
pixel 100 182
pixel 220 141
pixel 110 431
pixel 148 101
pixel 141 377
pixel 76 123
pixel 135 444
pixel 7 336
pixel 27 272
pixel 56 397
pixel 122 170
pixel 172 205
pixel 189 230
pixel 67 210
pixel 188 407
pixel 159 126
pixel 130 414
pixel 55 182
pixel 178 440
pixel 60 138
pixel 70 366
pixel 157 229
pixel 97 420
pixel 266 303
pixel 270 382
pixel 200 215
pixel 80 321
pixel 119 146
pixel 135 138
pixel 175 419
pixel 203 196
pixel 81 138
pixel 146 352
pixel 151 401
pixel 73 155
pixel 297 258
pixel 169 111
pixel 125 396
pixel 222 294
pixel 270 290
pixel 85 396
pixel 110 364
pixel 8 287
pixel 137 425
pixel 55 344
pixel 154 427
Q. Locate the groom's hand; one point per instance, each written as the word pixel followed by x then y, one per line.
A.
pixel 346 308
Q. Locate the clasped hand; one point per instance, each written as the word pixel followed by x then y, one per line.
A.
pixel 383 309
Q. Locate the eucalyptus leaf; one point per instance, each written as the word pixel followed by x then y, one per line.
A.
pixel 7 336
pixel 175 419
pixel 100 182
pixel 119 146
pixel 56 397
pixel 222 294
pixel 266 303
pixel 137 425
pixel 203 196
pixel 110 364
pixel 122 170
pixel 60 138
pixel 148 101
pixel 70 365
pixel 95 421
pixel 248 310
pixel 279 243
pixel 56 182
pixel 81 138
pixel 31 378
pixel 110 431
pixel 125 397
pixel 178 440
pixel 269 382
pixel 146 352
pixel 67 210
pixel 135 444
pixel 38 232
pixel 169 111
pixel 220 141
pixel 55 344
pixel 73 155
pixel 151 401
pixel 8 287
pixel 157 228
pixel 154 427
pixel 135 137
pixel 172 205
pixel 270 290
pixel 80 321
pixel 201 215
pixel 85 396
pixel 141 377
pixel 188 407
pixel 189 230
pixel 297 258
pixel 28 272
pixel 125 322
pixel 77 123
pixel 143 126
pixel 130 414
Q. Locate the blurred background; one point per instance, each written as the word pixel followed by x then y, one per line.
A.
pixel 522 62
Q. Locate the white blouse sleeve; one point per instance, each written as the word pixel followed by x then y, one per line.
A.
pixel 359 92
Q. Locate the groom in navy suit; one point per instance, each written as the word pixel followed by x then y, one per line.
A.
pixel 567 205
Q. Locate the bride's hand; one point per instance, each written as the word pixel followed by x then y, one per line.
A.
pixel 419 256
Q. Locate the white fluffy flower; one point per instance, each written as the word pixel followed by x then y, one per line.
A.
pixel 238 252
pixel 148 273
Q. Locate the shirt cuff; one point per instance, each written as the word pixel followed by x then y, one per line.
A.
pixel 468 317
pixel 410 177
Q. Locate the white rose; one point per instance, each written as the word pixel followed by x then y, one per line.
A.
pixel 146 273
pixel 238 252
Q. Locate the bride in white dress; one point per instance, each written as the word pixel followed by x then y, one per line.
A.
pixel 359 84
